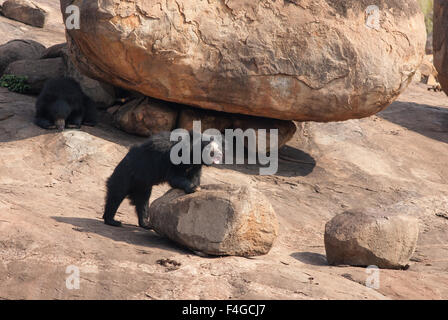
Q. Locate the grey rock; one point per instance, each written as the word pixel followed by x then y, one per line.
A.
pixel 364 239
pixel 19 50
pixel 25 11
pixel 37 71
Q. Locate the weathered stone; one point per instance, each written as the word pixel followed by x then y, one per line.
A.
pixel 19 50
pixel 25 11
pixel 56 51
pixel 308 60
pixel 209 119
pixel 37 71
pixel 217 220
pixel 146 116
pixel 440 36
pixel 363 239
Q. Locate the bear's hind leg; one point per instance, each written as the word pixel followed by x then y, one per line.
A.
pixel 140 199
pixel 113 200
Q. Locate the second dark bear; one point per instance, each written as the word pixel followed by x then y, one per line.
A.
pixel 150 164
pixel 63 104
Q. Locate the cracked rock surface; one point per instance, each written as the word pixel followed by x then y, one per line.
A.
pixel 291 60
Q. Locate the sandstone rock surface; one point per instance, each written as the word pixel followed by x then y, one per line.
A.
pixel 217 220
pixel 52 189
pixel 364 239
pixel 292 60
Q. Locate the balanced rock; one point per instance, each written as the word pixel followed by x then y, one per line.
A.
pixel 25 11
pixel 440 36
pixel 146 116
pixel 364 239
pixel 217 220
pixel 19 50
pixel 37 72
pixel 292 60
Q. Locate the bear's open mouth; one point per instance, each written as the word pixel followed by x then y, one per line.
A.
pixel 60 124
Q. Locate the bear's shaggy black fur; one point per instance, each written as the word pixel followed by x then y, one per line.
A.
pixel 62 104
pixel 147 165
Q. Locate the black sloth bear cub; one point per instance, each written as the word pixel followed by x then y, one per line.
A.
pixel 62 104
pixel 150 164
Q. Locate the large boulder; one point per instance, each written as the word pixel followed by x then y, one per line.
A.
pixel 440 36
pixel 294 60
pixel 19 50
pixel 25 11
pixel 217 220
pixel 364 239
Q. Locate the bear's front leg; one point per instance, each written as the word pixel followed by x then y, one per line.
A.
pixel 74 123
pixel 44 123
pixel 183 183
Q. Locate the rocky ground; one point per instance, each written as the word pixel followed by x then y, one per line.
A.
pixel 53 32
pixel 52 193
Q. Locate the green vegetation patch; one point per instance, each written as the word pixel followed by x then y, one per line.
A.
pixel 428 9
pixel 14 83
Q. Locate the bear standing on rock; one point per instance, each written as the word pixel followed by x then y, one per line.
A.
pixel 150 164
pixel 63 104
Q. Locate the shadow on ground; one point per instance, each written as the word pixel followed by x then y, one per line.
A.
pixel 292 162
pixel 429 121
pixel 128 233
pixel 311 258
